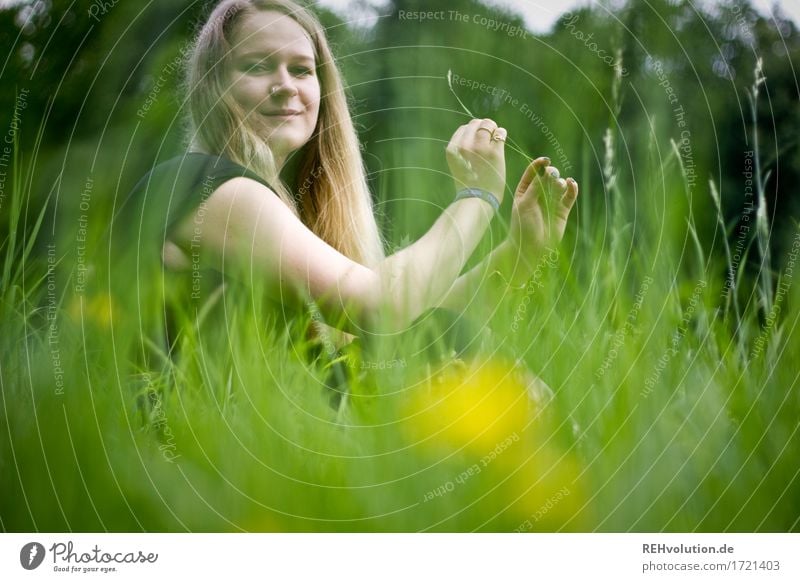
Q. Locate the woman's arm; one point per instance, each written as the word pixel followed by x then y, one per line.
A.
pixel 245 230
pixel 482 277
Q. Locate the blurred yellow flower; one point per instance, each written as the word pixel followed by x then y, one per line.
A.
pixel 545 491
pixel 478 407
pixel 96 309
pixel 492 412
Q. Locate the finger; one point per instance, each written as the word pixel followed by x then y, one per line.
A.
pixel 555 184
pixel 453 148
pixel 483 131
pixel 551 181
pixel 553 173
pixel 568 199
pixel 571 194
pixel 455 153
pixel 471 127
pixel 468 136
pixel 535 168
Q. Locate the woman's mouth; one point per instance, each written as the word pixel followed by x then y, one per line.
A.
pixel 283 113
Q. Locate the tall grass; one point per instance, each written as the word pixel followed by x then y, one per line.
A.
pixel 766 289
pixel 660 421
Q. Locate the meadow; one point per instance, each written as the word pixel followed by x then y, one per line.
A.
pixel 665 325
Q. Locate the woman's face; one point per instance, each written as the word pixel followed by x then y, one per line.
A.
pixel 273 77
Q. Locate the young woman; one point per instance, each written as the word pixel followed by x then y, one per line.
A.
pixel 274 188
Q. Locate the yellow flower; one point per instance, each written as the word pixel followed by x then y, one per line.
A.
pixel 478 408
pixel 96 309
pixel 494 414
pixel 546 492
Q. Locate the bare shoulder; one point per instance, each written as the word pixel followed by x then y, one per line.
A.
pixel 245 230
pixel 235 198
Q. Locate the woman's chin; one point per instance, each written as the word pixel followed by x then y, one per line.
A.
pixel 284 142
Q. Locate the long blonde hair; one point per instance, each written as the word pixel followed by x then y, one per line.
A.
pixel 334 200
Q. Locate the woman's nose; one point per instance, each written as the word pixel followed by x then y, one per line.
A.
pixel 282 84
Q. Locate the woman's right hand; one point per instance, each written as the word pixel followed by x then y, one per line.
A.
pixel 476 157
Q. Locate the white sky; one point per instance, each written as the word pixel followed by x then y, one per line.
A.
pixel 540 14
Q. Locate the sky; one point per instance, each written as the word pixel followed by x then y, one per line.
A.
pixel 540 15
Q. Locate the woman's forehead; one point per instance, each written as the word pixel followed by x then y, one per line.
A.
pixel 265 33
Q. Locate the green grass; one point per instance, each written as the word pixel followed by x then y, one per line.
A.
pixel 666 416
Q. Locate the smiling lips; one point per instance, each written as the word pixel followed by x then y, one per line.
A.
pixel 283 113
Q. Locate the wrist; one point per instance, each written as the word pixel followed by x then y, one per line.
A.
pixel 512 263
pixel 486 195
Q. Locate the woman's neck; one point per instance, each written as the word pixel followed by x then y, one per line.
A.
pixel 290 169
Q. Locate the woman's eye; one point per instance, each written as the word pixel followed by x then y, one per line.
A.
pixel 256 67
pixel 265 67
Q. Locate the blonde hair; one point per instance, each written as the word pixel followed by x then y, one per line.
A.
pixel 334 200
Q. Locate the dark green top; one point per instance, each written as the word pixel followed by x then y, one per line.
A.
pixel 175 188
pixel 170 192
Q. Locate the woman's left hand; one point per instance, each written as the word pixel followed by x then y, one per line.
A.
pixel 542 203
